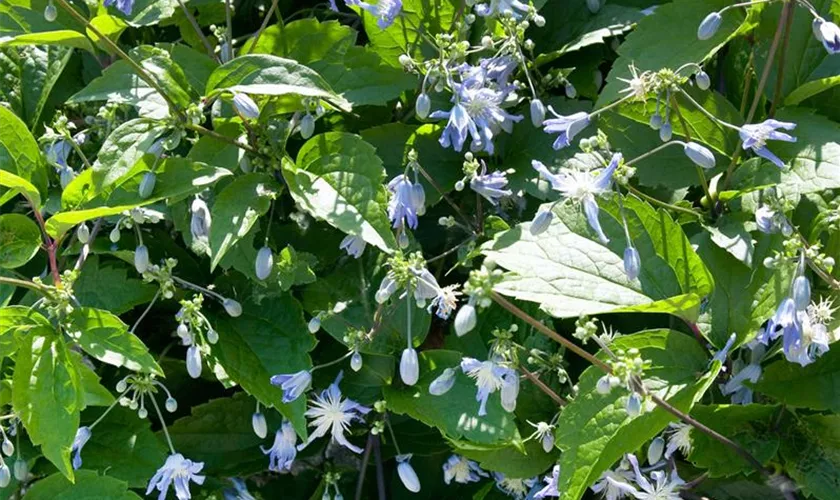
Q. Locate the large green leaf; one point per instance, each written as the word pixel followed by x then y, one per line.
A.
pixel 305 41
pixel 120 84
pixel 236 209
pixel 106 338
pixel 456 412
pixel 812 455
pixel 48 395
pixel 124 447
pixel 148 12
pixel 338 178
pixel 41 68
pixel 219 433
pixel 18 321
pixel 749 425
pixel 569 272
pixel 107 285
pixel 22 186
pixel 743 298
pixel 509 460
pixel 122 149
pixel 271 75
pixel 19 153
pixel 269 338
pixel 668 39
pixel 20 240
pixel 58 38
pixel 812 386
pixel 594 430
pixel 88 485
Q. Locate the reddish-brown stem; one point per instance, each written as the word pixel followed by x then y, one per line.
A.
pixel 49 244
pixel 542 386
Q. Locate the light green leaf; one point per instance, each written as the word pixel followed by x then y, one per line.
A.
pixel 48 395
pixel 107 285
pixel 812 386
pixel 88 486
pixel 594 430
pixel 236 209
pixel 294 268
pixel 20 240
pixel 19 153
pixel 65 38
pixel 21 185
pixel 18 321
pixel 751 426
pixel 271 75
pixel 810 89
pixel 109 26
pixel 508 460
pixel 106 338
pixel 120 84
pixel 122 149
pixel 811 455
pixel 338 178
pixel 95 393
pixel 456 413
pixel 148 12
pixel 668 39
pixel 41 68
pixel 305 41
pixel 570 273
pixel 269 338
pixel 197 66
pixel 732 235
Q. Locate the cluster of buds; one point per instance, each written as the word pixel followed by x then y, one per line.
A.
pixel 478 287
pixel 134 388
pixel 162 275
pixel 627 369
pixel 58 300
pixel 195 331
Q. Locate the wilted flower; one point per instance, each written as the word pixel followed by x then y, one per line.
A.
pixel 566 126
pixel 551 484
pixel 293 384
pixel 283 452
pixel 445 301
pixel 489 377
pixel 332 413
pixel 514 487
pixel 582 187
pixel 637 84
pixel 462 470
pixel 755 137
pixel 82 436
pixel 407 475
pixel 179 470
pixel 442 383
pixel 386 11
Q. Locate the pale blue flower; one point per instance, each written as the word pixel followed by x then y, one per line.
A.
pixel 783 323
pixel 566 126
pixel 353 245
pixel 582 187
pixel 499 7
pixel 445 301
pixel 245 106
pixel 402 208
pixel 125 6
pixel 513 487
pixel 332 413
pixel 829 34
pixel 489 377
pixel 755 137
pixel 709 26
pixel 293 384
pixel 386 11
pixel 801 292
pixel 810 341
pixel 82 436
pixel 723 353
pixel 660 487
pixel 443 382
pixel 57 152
pixel 462 470
pixel 699 155
pixel 632 262
pixel 239 491
pixel 551 484
pixel 283 452
pixel 606 483
pixel 490 186
pixel 489 71
pixel 177 470
pixel 407 474
pixel 739 393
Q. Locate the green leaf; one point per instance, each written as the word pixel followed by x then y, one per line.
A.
pixel 749 425
pixel 294 268
pixel 812 386
pixel 122 149
pixel 88 486
pixel 236 209
pixel 107 285
pixel 109 26
pixel 19 153
pixel 743 298
pixel 338 178
pixel 169 77
pixel 269 338
pixel 668 39
pixel 197 66
pixel 64 38
pixel 148 12
pixel 18 321
pixel 814 160
pixel 811 455
pixel 22 186
pixel 20 240
pixel 275 76
pixel 48 395
pixel 456 413
pixel 42 66
pixel 95 393
pixel 124 447
pixel 120 84
pixel 570 273
pixel 106 338
pixel 732 235
pixel 508 460
pixel 594 430
pixel 305 41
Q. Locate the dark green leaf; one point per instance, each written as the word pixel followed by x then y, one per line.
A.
pixel 812 386
pixel 88 486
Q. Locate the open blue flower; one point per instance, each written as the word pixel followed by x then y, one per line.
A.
pixel 499 7
pixel 330 412
pixel 177 470
pixel 566 126
pixel 386 11
pixel 283 452
pixel 124 6
pixel 402 208
pixel 755 137
pixel 491 186
pixel 551 484
pixel 477 112
pixel 489 377
pixel 293 384
pixel 462 470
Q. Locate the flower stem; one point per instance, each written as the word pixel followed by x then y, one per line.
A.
pixel 162 423
pixel 145 312
pixel 393 436
pixel 543 387
pixel 662 204
pixel 780 75
pixel 197 28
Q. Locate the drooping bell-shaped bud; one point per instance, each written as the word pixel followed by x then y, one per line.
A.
pixel 314 324
pixel 232 307
pixel 407 474
pixel 703 81
pixel 307 126
pixel 537 112
pixel 700 155
pixel 634 405
pixel 632 263
pixel 141 258
pixel 541 222
pixel 83 233
pixel 147 185
pixel 423 106
pixel 356 361
pixel 194 361
pixel 259 425
pixel 409 366
pixel 171 404
pixel 656 121
pixel 466 319
pixel 245 106
pixel 21 469
pixel 264 263
pixel 801 292
pixel 593 5
pixel 654 452
pixel 709 26
pixel 666 132
pixel 442 383
pixel 50 13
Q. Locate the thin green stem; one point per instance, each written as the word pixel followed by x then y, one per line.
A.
pixel 393 436
pixel 662 204
pixel 445 197
pixel 333 362
pixel 780 74
pixel 105 413
pixel 700 173
pixel 654 151
pixel 263 26
pixel 706 112
pixel 197 28
pixel 223 138
pixel 24 284
pixel 162 423
pixel 145 312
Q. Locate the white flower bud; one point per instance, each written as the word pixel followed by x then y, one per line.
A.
pixel 50 13
pixel 171 404
pixel 114 236
pixel 539 21
pixel 634 405
pixel 147 185
pixel 402 240
pixel 141 258
pixel 264 263
pixel 407 475
pixel 83 233
pixel 232 307
pixel 259 425
pixel 442 383
pixel 666 132
pixel 487 42
pixel 314 324
pixel 703 81
pixel 21 467
pixel 245 106
pixel 356 361
pixel 709 26
pixel 801 292
pixel 184 333
pixel 405 60
pixel 466 319
pixel 8 447
pixel 212 336
pixel 5 475
pixel 593 5
pixel 571 91
pixel 700 155
pixel 654 452
pixel 307 126
pixel 194 361
pixel 541 222
pixel 409 366
pixel 603 385
pixel 143 412
pixel 423 106
pixel 548 442
pixel 459 186
pixel 656 121
pixel 537 112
